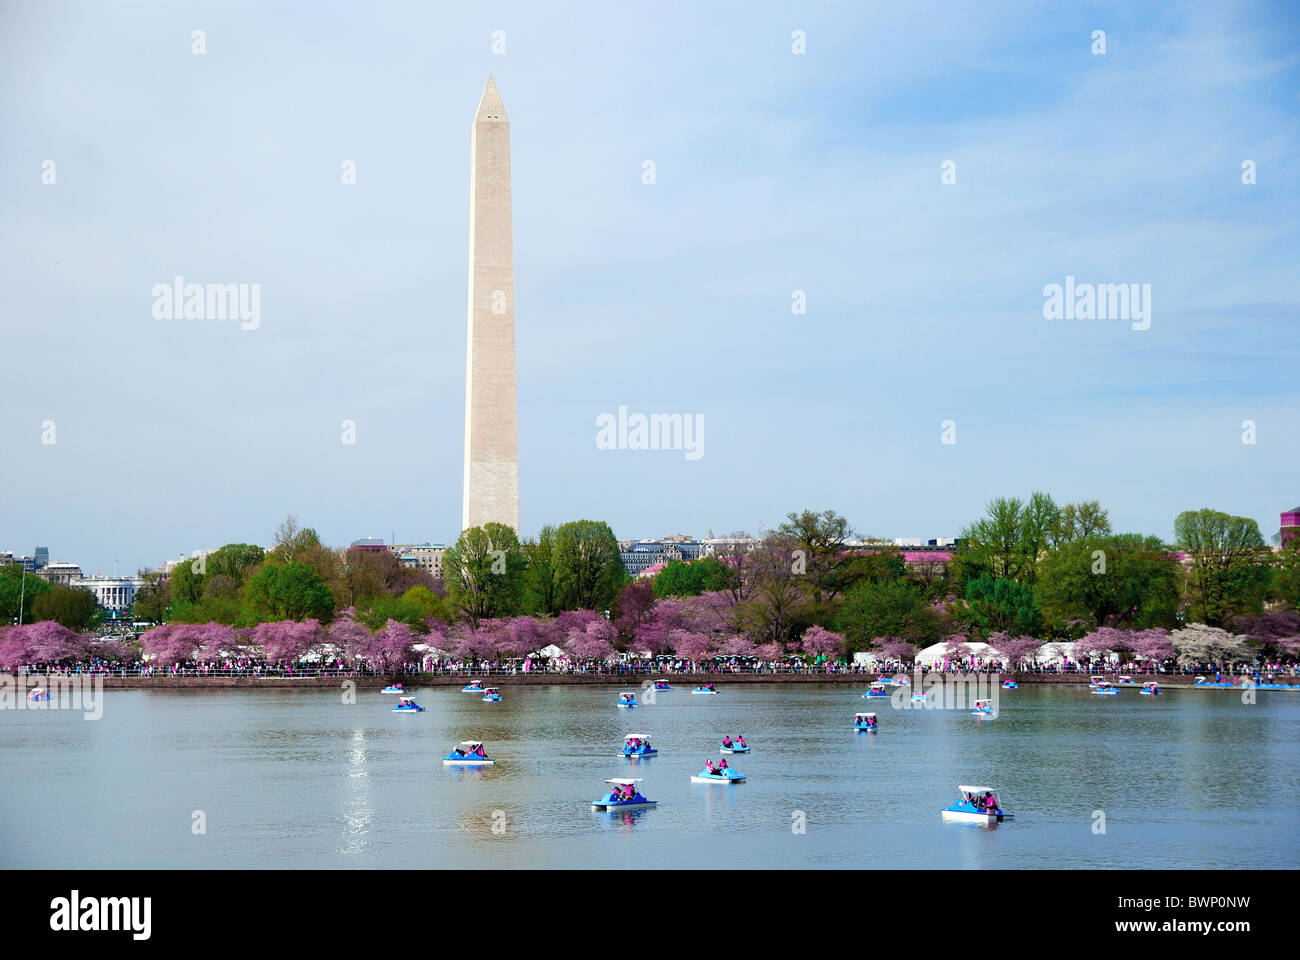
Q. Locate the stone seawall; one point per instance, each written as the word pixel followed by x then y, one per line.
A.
pixel 630 681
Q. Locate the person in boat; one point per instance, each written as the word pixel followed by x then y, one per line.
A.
pixel 726 742
pixel 458 752
pixel 708 767
pixel 722 765
pixel 741 741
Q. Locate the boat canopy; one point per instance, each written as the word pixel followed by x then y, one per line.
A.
pixel 471 743
pixel 978 702
pixel 965 789
pixel 628 693
pixel 491 689
pixel 1125 678
pixel 637 736
pixel 623 781
pixel 863 716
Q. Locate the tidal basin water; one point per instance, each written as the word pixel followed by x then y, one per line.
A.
pixel 296 778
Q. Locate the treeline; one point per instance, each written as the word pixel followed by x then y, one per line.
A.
pixel 487 573
pixel 31 599
pixel 1026 568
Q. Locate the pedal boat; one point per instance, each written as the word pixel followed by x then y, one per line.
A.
pixel 393 688
pixel 865 722
pixel 963 811
pixel 474 686
pixel 1150 689
pixel 1105 689
pixel 468 754
pixel 726 775
pixel 918 696
pixel 612 801
pixel 707 688
pixel 1010 685
pixel 1126 682
pixel 641 748
pixel 491 695
pixel 627 700
pixel 736 746
pixel 983 708
pixel 662 685
pixel 876 690
pixel 407 705
pixel 39 695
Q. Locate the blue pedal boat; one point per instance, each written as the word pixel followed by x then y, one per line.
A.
pixel 1151 689
pixel 974 807
pixel 618 799
pixel 983 708
pixel 734 745
pixel 627 700
pixel 865 722
pixel 724 775
pixel 407 705
pixel 469 753
pixel 1010 685
pixel 662 685
pixel 393 688
pixel 637 745
pixel 1105 689
pixel 474 686
pixel 875 690
pixel 707 689
pixel 491 695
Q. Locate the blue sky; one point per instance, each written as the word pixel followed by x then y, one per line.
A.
pixel 775 172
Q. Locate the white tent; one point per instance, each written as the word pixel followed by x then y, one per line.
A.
pixel 549 652
pixel 1054 653
pixel 937 652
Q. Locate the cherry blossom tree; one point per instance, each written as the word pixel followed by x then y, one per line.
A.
pixel 819 641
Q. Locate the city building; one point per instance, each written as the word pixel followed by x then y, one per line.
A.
pixel 1290 525
pixel 60 573
pixel 113 593
pixel 368 544
pixel 426 556
pixel 42 557
pixel 639 555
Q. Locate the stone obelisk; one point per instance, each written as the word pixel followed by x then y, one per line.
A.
pixel 491 416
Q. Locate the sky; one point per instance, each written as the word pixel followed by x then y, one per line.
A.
pixel 127 439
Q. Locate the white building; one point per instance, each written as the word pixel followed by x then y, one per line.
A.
pixel 426 556
pixel 60 573
pixel 113 593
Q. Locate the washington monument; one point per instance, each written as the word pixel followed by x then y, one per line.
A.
pixel 491 417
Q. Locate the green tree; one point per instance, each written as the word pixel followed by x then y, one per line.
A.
pixel 234 560
pixel 1118 581
pixel 73 607
pixel 1007 542
pixel 682 578
pixel 999 605
pixel 888 608
pixel 286 591
pixel 588 567
pixel 541 596
pixel 1081 521
pixel 153 599
pixel 484 572
pixel 18 587
pixel 1229 573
